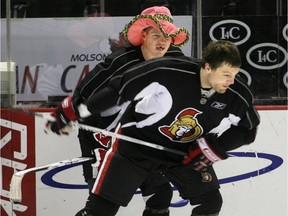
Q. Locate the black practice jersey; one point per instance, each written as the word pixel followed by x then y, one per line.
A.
pixel 115 64
pixel 167 108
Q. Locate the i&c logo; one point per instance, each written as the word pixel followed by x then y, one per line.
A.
pixel 233 30
pixel 267 56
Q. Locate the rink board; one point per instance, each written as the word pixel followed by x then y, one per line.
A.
pixel 253 181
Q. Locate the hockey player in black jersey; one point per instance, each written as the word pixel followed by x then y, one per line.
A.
pixel 146 35
pixel 203 109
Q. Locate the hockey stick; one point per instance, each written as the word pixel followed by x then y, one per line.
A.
pixel 16 180
pixel 111 134
pixel 127 138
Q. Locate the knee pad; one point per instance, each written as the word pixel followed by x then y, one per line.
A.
pixel 209 204
pixel 98 206
pixel 152 212
pixel 161 198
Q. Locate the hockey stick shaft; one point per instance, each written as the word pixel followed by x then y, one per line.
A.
pixel 16 180
pixel 114 135
pixel 127 138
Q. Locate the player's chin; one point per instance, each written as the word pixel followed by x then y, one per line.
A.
pixel 221 90
pixel 160 54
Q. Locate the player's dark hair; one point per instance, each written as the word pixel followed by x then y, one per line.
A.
pixel 219 52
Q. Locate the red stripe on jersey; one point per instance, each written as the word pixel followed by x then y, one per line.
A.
pixel 106 165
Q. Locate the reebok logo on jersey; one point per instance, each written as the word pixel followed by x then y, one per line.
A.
pixel 218 105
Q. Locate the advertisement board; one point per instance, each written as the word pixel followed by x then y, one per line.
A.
pixel 53 55
pixel 263 43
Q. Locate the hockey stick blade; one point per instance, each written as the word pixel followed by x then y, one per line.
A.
pixel 16 180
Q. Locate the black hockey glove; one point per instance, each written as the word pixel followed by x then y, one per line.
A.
pixel 204 152
pixel 63 115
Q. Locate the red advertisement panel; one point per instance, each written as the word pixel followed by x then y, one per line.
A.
pixel 17 153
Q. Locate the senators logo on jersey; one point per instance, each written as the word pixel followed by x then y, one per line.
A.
pixel 185 128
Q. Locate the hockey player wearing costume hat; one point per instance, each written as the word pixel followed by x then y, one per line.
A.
pixel 151 34
pixel 158 18
pixel 161 91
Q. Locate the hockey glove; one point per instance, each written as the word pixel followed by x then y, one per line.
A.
pixel 204 152
pixel 63 115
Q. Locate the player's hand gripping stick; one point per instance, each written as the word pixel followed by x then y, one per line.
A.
pixel 204 152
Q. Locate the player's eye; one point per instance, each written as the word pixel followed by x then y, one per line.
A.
pixel 156 36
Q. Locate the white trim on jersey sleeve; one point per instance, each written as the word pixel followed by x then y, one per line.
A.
pixel 225 124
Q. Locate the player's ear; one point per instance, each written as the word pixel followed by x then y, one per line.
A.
pixel 207 67
pixel 144 33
